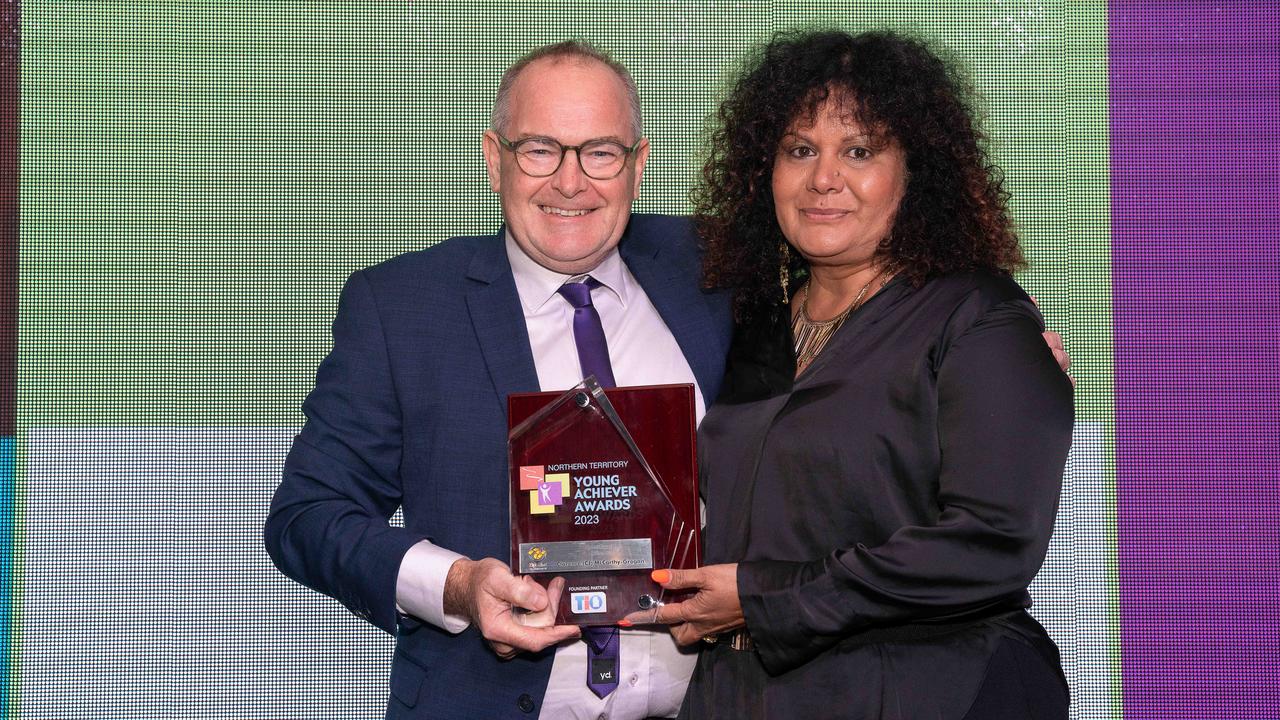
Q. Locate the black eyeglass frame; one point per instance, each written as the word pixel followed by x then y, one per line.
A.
pixel 564 150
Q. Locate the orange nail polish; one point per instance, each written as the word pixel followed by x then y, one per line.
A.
pixel 662 577
pixel 624 623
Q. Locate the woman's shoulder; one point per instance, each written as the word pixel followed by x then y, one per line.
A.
pixel 965 299
pixel 986 288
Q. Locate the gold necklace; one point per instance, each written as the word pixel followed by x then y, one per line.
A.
pixel 811 336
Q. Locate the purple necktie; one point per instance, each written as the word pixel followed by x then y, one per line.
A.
pixel 593 350
pixel 593 356
pixel 602 659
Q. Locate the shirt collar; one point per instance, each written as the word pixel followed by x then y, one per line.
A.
pixel 536 284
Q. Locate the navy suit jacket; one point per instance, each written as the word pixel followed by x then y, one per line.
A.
pixel 409 410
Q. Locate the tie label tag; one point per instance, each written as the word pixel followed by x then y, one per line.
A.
pixel 604 670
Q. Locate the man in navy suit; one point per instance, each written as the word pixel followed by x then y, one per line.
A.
pixel 409 408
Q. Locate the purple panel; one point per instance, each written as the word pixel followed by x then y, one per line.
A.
pixel 1195 142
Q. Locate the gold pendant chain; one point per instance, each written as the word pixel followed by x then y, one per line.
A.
pixel 811 336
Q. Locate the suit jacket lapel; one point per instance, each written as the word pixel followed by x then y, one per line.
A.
pixel 498 320
pixel 674 292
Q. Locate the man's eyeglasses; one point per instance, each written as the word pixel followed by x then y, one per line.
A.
pixel 541 156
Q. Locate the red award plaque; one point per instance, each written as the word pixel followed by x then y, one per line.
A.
pixel 603 490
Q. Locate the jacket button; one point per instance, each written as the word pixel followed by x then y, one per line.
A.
pixel 526 703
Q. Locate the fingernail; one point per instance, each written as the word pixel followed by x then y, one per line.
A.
pixel 662 577
pixel 624 623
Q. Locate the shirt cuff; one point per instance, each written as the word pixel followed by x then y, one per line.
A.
pixel 420 585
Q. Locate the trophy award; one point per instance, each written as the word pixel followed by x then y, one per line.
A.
pixel 603 490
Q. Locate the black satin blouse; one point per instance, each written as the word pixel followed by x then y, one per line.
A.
pixel 888 507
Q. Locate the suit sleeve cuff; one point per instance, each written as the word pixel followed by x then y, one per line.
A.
pixel 420 585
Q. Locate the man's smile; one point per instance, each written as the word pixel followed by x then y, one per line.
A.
pixel 564 212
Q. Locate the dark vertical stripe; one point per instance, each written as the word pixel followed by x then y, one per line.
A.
pixel 9 122
pixel 1195 113
pixel 9 113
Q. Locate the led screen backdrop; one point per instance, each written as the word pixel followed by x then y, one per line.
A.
pixel 197 179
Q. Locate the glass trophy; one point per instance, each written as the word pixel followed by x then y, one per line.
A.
pixel 603 491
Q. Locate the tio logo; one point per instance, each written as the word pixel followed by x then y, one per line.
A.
pixel 587 602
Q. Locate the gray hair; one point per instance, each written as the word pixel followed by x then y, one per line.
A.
pixel 500 119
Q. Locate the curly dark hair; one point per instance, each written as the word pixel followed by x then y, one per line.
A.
pixel 953 216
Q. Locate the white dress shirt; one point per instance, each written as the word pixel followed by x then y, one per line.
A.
pixel 642 351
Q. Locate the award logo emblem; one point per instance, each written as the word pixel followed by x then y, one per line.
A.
pixel 546 491
pixel 588 602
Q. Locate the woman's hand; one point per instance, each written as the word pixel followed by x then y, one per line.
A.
pixel 712 610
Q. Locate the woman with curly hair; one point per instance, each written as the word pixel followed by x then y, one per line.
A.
pixel 882 468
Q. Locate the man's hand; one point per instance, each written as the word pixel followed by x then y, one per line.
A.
pixel 495 600
pixel 713 610
pixel 1054 341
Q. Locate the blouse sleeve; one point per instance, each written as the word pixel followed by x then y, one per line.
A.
pixel 1005 416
